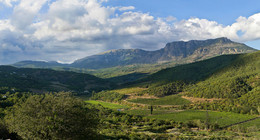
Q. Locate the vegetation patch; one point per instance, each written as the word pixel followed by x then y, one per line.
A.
pixel 164 90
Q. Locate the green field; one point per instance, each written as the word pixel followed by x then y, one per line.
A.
pixel 147 112
pixel 167 100
pixel 221 118
pixel 107 105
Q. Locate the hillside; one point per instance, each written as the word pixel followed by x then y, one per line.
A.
pixel 220 66
pixel 177 52
pixel 49 80
pixel 231 80
pixel 235 80
pixel 192 72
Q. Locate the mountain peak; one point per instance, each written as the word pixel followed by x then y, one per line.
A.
pixel 206 42
pixel 120 51
pixel 224 39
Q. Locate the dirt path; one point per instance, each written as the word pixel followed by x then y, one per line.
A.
pixel 133 96
pixel 194 100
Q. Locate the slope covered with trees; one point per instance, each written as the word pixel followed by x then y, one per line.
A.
pixel 50 80
pixel 192 72
pixel 233 81
pixel 237 85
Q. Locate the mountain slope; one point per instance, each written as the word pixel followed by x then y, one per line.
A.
pixel 50 80
pixel 178 52
pixel 192 72
pixel 218 67
pixel 227 76
pixel 239 78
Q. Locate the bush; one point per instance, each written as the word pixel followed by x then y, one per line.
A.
pixel 164 90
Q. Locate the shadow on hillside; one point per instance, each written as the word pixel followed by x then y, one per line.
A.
pixel 120 80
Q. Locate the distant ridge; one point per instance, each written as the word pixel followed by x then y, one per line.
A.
pixel 39 64
pixel 179 52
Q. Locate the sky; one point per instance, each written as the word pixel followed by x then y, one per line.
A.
pixel 67 30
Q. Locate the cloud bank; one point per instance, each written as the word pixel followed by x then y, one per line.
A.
pixel 66 30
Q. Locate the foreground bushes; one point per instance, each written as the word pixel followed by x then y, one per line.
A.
pixel 52 116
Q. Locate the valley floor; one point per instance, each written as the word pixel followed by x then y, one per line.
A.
pixel 192 123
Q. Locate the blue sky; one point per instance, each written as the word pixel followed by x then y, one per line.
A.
pixel 223 11
pixel 67 30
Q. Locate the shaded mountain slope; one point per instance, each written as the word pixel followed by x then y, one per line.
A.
pixel 50 80
pixel 190 72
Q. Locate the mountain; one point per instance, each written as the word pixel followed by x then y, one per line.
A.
pixel 29 79
pixel 177 52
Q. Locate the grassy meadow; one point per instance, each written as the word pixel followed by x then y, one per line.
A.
pixel 107 104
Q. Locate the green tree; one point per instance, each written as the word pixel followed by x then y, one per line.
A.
pixel 52 116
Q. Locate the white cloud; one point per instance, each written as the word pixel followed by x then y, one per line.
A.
pixel 126 8
pixel 25 12
pixel 8 3
pixel 5 25
pixel 249 26
pixel 69 30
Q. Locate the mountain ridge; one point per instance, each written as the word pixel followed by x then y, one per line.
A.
pixel 179 52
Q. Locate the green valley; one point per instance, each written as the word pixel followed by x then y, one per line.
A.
pixel 129 70
pixel 216 98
